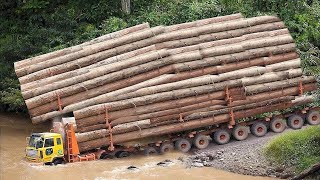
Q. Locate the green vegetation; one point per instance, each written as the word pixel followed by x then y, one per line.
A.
pixel 298 149
pixel 32 27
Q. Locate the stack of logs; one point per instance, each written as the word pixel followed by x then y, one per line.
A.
pixel 141 81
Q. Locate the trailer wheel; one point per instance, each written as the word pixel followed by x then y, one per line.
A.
pixel 240 132
pixel 201 141
pixel 165 147
pixel 221 136
pixel 258 129
pixel 313 117
pixel 122 154
pixel 295 122
pixel 150 151
pixel 277 125
pixel 183 145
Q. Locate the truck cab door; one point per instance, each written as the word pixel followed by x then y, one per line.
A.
pixel 49 150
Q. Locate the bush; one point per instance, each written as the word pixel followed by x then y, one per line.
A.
pixel 298 149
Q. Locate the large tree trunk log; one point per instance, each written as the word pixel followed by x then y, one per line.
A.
pixel 189 125
pixel 188 115
pixel 83 70
pixel 49 56
pixel 221 38
pixel 87 124
pixel 202 22
pixel 212 28
pixel 180 76
pixel 249 72
pixel 99 71
pixel 90 55
pixel 91 49
pixel 44 98
pixel 97 66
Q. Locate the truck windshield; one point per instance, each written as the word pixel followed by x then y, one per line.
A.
pixel 36 141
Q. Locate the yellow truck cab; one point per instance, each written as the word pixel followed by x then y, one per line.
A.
pixel 45 148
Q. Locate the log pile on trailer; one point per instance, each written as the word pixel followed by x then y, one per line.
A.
pixel 142 82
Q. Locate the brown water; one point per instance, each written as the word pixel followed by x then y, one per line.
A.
pixel 14 129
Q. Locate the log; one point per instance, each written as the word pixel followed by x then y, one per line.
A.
pixel 254 89
pixel 199 115
pixel 179 76
pixel 189 125
pixel 51 55
pixel 44 98
pixel 249 72
pixel 264 30
pixel 224 35
pixel 307 172
pixel 212 28
pixel 77 72
pixel 87 69
pixel 202 22
pixel 292 91
pixel 91 49
pixel 187 116
pixel 92 55
pixel 99 71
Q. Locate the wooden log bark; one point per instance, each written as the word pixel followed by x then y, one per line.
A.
pixel 48 56
pixel 211 28
pixel 83 70
pixel 249 71
pixel 90 55
pixel 264 30
pixel 44 98
pixel 180 76
pixel 187 116
pixel 88 124
pixel 93 67
pixel 202 22
pixel 99 71
pixel 189 125
pixel 91 49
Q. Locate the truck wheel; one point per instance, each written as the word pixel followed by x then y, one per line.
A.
pixel 295 122
pixel 57 161
pixel 122 154
pixel 221 136
pixel 313 117
pixel 150 151
pixel 183 145
pixel 201 141
pixel 165 147
pixel 240 132
pixel 277 125
pixel 258 129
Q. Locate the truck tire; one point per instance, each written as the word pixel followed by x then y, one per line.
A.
pixel 122 154
pixel 221 136
pixel 277 125
pixel 150 151
pixel 201 141
pixel 57 161
pixel 295 122
pixel 313 117
pixel 258 129
pixel 183 145
pixel 165 147
pixel 240 132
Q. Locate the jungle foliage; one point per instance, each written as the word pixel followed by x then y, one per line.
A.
pixel 32 27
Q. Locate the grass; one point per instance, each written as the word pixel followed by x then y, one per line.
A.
pixel 297 149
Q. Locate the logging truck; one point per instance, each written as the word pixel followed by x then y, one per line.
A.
pixel 56 148
pixel 154 89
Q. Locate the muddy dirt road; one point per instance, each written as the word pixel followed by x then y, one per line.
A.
pixel 14 129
